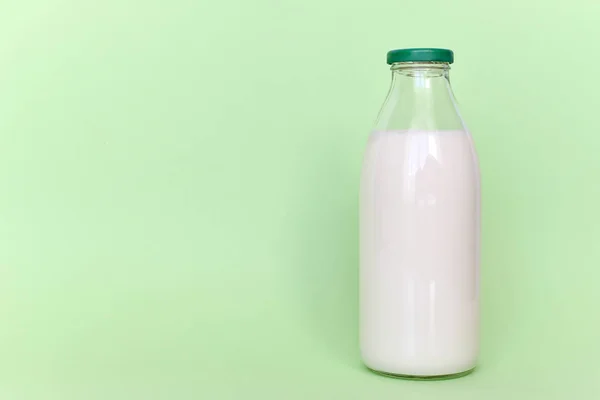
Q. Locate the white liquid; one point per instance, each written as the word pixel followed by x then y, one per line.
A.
pixel 419 273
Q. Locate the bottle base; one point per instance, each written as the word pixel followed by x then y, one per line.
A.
pixel 423 377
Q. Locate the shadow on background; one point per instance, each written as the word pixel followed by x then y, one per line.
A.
pixel 326 252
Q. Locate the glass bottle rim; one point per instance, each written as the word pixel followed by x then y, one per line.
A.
pixel 420 65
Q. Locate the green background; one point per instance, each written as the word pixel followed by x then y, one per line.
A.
pixel 179 181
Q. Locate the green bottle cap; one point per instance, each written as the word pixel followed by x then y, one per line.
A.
pixel 420 55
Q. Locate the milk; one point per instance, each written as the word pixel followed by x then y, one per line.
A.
pixel 419 261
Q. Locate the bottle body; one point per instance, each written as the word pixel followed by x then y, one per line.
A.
pixel 420 228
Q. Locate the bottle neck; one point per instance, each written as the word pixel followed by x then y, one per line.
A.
pixel 421 77
pixel 420 97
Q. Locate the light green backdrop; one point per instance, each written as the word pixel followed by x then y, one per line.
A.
pixel 178 194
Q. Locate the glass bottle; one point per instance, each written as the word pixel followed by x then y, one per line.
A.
pixel 420 227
